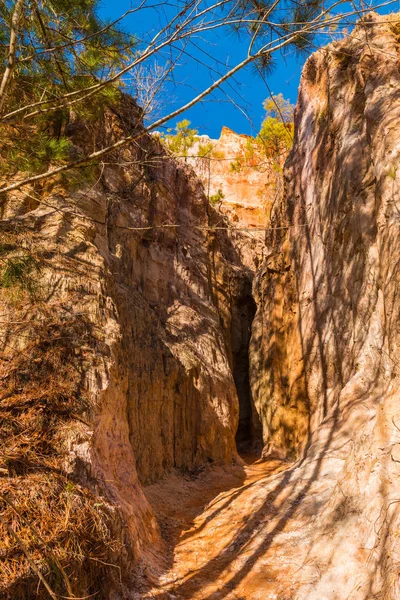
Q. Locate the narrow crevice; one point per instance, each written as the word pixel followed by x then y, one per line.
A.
pixel 243 312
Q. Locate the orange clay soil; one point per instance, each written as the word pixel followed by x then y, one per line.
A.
pixel 217 529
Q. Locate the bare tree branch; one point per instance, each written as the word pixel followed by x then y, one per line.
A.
pixel 15 21
pixel 94 156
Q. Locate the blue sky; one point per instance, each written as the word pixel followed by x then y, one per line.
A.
pixel 247 90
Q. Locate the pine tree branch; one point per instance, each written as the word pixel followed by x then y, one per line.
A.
pixel 82 40
pixel 177 34
pixel 94 156
pixel 48 45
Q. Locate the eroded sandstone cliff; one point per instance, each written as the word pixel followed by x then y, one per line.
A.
pixel 125 338
pixel 324 357
pixel 149 303
pixel 248 181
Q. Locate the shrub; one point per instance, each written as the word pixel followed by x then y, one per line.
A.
pixel 275 137
pixel 236 165
pixel 276 133
pixel 206 150
pixel 214 199
pixel 218 155
pixel 182 140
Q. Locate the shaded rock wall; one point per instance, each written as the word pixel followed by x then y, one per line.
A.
pixel 136 253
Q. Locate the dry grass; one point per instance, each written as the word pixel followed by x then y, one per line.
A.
pixel 66 532
pixel 51 526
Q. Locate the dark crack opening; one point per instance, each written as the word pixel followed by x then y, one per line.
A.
pixel 248 434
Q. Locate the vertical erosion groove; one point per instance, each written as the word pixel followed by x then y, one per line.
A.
pixel 243 312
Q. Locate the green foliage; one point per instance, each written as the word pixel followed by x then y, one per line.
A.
pixel 264 64
pixel 218 155
pixel 277 107
pixel 275 137
pixel 250 149
pixel 206 150
pixel 182 140
pixel 252 152
pixel 276 133
pixel 301 12
pixel 29 153
pixel 55 24
pixel 217 197
pixel 236 165
pixel 63 47
pixel 19 272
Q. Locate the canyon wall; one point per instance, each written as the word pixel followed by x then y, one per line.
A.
pixel 248 182
pixel 325 345
pixel 330 273
pixel 149 304
pixel 125 342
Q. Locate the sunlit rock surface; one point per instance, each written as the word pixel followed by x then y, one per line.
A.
pixel 166 370
pixel 325 345
pixel 247 179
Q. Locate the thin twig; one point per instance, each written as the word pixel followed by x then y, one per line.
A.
pixel 37 534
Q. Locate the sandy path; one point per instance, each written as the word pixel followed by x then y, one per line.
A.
pixel 217 527
pixel 263 531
